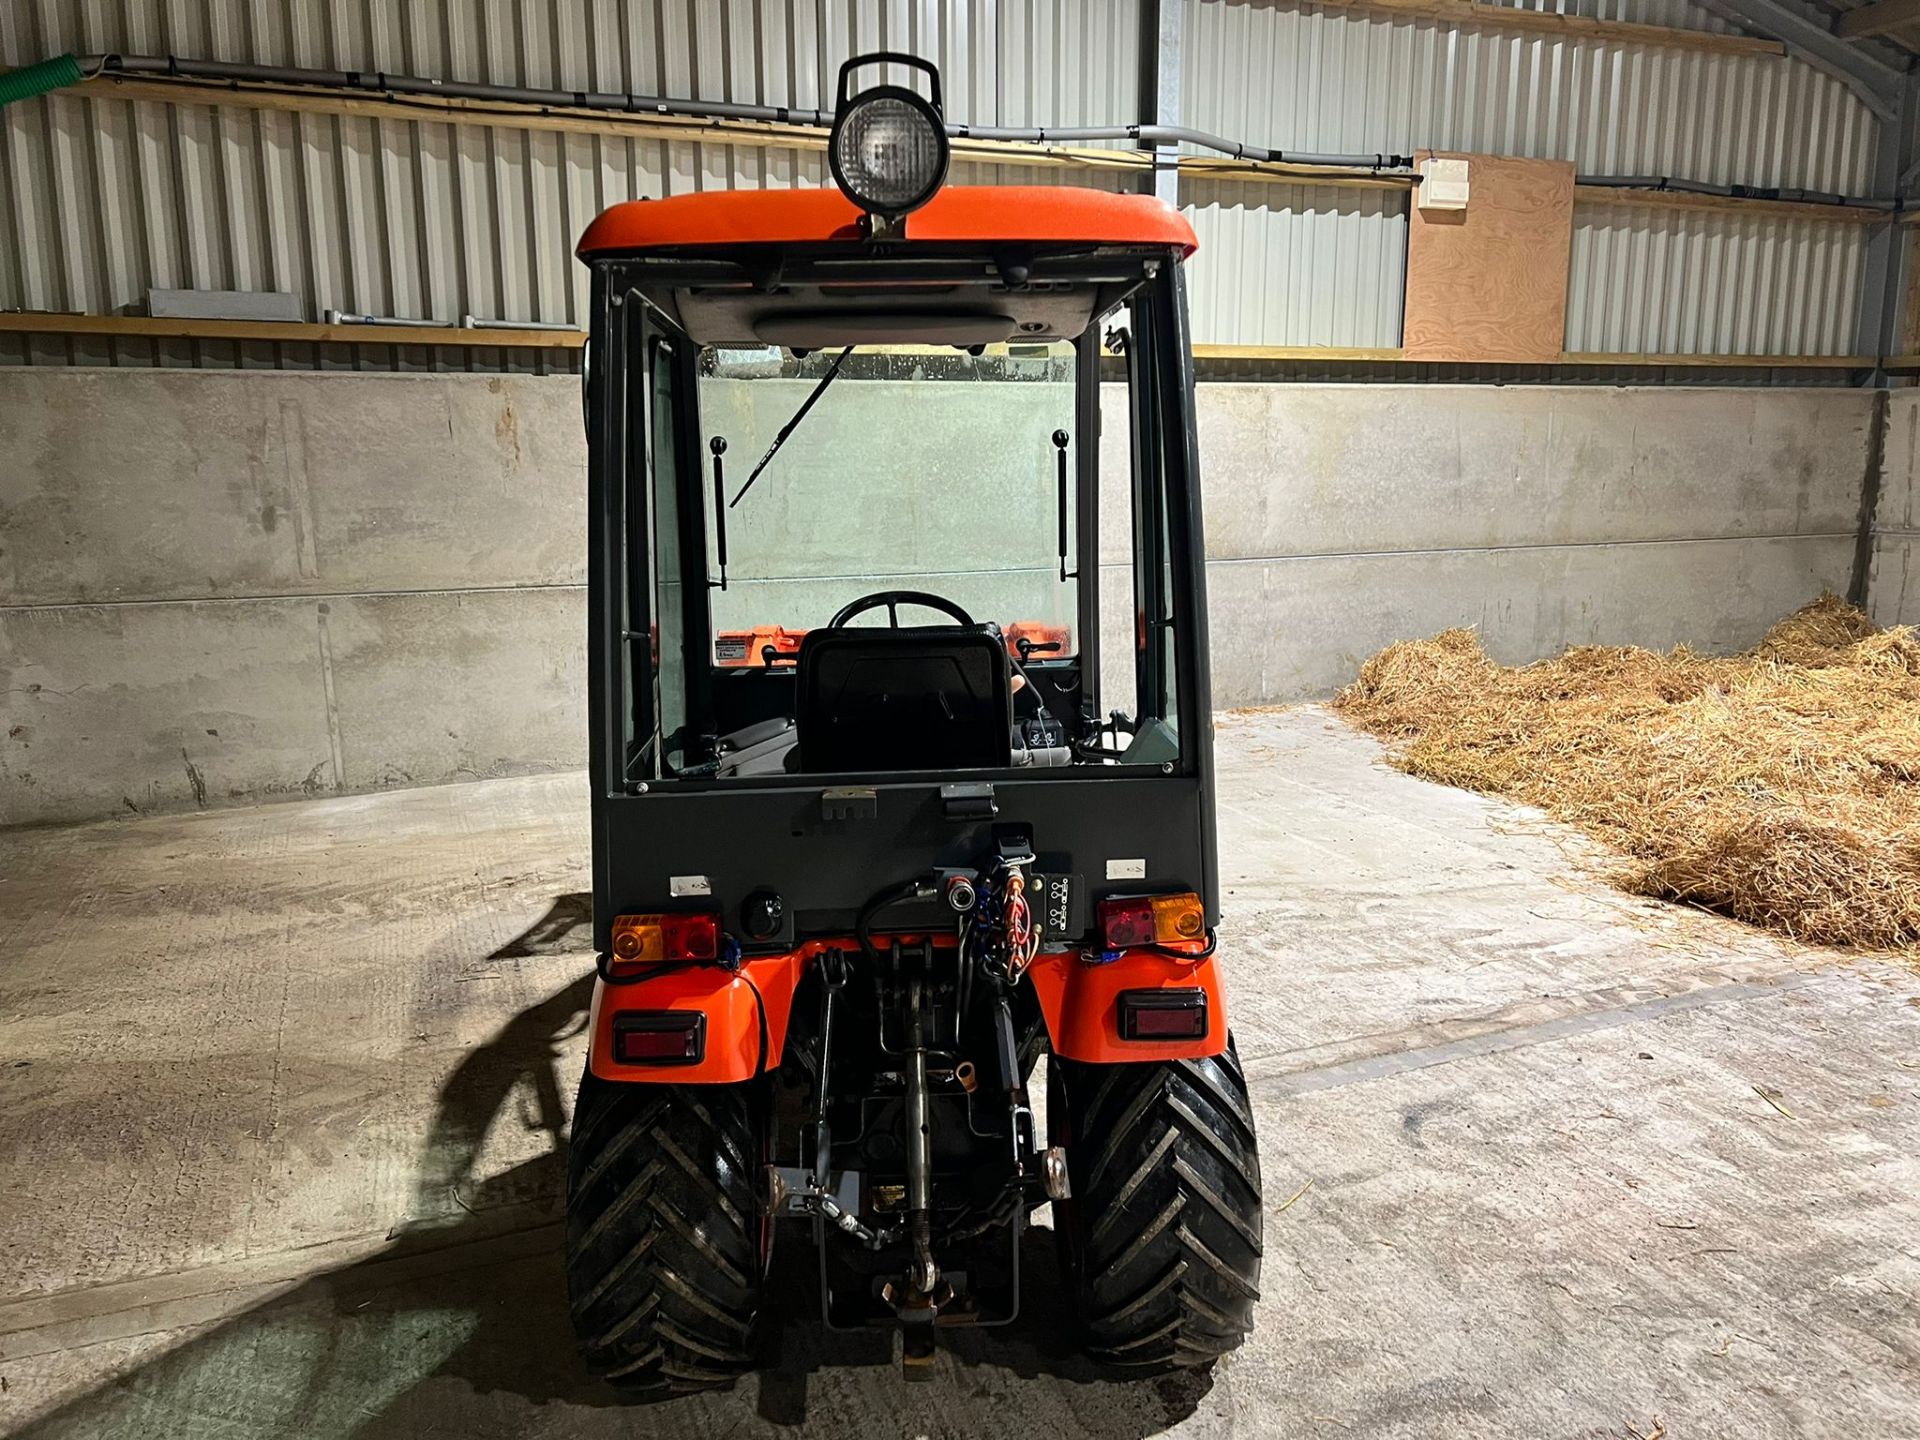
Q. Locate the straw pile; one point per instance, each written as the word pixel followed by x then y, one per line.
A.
pixel 1781 787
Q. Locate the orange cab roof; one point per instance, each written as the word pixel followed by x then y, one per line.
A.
pixel 958 213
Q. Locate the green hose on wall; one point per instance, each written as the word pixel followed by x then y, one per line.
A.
pixel 31 80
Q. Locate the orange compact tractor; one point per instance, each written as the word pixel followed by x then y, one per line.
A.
pixel 902 769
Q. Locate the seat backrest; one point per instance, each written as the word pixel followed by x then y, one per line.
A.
pixel 923 698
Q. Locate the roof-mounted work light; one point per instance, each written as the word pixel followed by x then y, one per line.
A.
pixel 889 147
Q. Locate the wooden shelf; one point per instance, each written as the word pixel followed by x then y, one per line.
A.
pixel 756 134
pixel 1207 167
pixel 503 115
pixel 291 332
pixel 1728 362
pixel 1226 170
pixel 287 332
pixel 1325 354
pixel 1728 204
pixel 1328 354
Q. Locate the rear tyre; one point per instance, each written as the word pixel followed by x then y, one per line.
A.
pixel 665 1243
pixel 1162 1233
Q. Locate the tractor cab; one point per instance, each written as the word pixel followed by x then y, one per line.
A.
pixel 901 761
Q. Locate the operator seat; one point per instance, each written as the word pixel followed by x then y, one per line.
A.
pixel 934 697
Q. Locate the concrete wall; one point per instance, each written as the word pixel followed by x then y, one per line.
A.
pixel 217 588
pixel 1341 518
pixel 1893 563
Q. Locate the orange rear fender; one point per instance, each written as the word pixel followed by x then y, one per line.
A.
pixel 1081 1004
pixel 732 1013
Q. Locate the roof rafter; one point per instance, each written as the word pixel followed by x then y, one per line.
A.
pixel 1878 19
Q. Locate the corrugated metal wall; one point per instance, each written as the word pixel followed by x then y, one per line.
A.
pixel 426 220
pixel 1343 80
pixel 1296 264
pixel 1643 280
pixel 1705 283
pixel 106 198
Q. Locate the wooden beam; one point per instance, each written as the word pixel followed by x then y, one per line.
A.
pixel 1331 354
pixel 1317 354
pixel 1567 27
pixel 1727 362
pixel 765 136
pixel 753 134
pixel 1615 195
pixel 1225 169
pixel 291 332
pixel 1878 19
pixel 286 332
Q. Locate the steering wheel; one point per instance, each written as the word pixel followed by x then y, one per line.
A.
pixel 891 601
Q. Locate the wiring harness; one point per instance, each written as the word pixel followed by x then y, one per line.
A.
pixel 1000 933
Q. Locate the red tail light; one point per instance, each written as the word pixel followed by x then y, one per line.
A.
pixel 690 937
pixel 1125 924
pixel 1163 1014
pixel 660 1037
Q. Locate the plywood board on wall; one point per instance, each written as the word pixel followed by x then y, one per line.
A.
pixel 1490 282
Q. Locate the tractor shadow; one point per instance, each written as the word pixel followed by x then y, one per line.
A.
pixel 460 1326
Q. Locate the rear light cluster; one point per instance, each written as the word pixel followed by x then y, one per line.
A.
pixel 654 939
pixel 662 1037
pixel 1132 921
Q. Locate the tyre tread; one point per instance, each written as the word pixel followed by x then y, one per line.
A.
pixel 1166 1211
pixel 663 1259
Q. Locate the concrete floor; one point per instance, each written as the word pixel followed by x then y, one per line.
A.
pixel 283 1093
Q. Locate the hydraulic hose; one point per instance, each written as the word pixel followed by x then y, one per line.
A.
pixel 892 895
pixel 55 74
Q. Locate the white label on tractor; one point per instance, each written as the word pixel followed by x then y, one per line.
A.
pixel 1126 869
pixel 683 885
